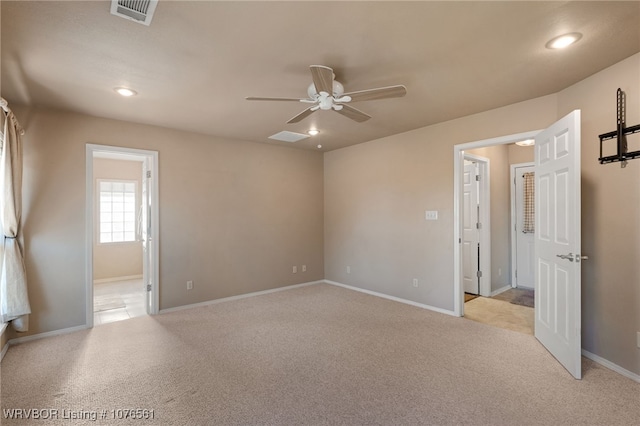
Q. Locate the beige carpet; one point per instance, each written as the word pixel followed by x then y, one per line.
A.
pixel 317 355
pixel 499 313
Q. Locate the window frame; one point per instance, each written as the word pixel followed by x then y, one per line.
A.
pixel 98 227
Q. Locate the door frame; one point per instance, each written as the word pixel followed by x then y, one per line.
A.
pixel 458 167
pixel 514 256
pixel 484 217
pixel 130 154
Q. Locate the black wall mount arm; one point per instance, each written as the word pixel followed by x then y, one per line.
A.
pixel 620 134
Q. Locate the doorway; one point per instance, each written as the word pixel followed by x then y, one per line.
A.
pixel 556 239
pixel 122 225
pixel 460 153
pixel 498 304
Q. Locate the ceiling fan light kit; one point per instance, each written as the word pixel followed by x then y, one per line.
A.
pixel 325 93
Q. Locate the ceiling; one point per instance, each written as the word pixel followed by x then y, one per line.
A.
pixel 198 60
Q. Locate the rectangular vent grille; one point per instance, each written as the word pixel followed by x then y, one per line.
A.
pixel 140 11
pixel 286 136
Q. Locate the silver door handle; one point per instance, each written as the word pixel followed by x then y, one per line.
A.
pixel 568 257
pixel 579 258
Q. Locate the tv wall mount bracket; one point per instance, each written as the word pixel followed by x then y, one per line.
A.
pixel 620 135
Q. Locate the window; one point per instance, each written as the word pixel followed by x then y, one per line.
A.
pixel 117 211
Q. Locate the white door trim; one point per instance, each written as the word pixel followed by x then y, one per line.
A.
pixel 484 217
pixel 512 232
pixel 458 167
pixel 122 153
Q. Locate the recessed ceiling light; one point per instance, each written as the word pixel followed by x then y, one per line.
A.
pixel 319 146
pixel 313 132
pixel 125 91
pixel 528 142
pixel 563 41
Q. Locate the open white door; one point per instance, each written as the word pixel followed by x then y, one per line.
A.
pixel 470 235
pixel 557 241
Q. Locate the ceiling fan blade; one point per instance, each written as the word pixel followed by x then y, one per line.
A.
pixel 352 113
pixel 304 114
pixel 378 93
pixel 256 98
pixel 322 78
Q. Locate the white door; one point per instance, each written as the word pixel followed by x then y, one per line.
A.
pixel 557 241
pixel 147 237
pixel 524 240
pixel 470 235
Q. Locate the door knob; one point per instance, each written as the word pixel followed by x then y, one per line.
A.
pixel 568 257
pixel 579 258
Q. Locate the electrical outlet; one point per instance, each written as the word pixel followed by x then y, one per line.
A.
pixel 499 272
pixel 295 269
pixel 415 282
pixel 304 268
pixel 348 269
pixel 189 285
pixel 638 342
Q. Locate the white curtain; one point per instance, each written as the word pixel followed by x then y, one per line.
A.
pixel 14 301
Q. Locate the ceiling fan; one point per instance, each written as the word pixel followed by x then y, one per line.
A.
pixel 326 93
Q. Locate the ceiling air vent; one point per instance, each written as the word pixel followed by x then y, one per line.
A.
pixel 286 136
pixel 140 11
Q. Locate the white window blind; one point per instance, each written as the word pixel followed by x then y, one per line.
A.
pixel 117 211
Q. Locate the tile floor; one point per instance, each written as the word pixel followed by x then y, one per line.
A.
pixel 501 311
pixel 117 301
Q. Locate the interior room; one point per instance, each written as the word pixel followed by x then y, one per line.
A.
pixel 270 197
pixel 118 289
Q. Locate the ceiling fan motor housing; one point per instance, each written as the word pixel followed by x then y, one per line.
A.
pixel 338 90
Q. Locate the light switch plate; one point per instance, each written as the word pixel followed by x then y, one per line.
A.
pixel 431 215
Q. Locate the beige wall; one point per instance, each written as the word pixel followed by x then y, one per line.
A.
pixel 610 217
pixel 234 216
pixel 520 154
pixel 376 194
pixel 114 260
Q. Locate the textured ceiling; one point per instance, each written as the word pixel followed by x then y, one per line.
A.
pixel 197 61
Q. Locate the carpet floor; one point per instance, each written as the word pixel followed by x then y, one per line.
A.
pixel 315 355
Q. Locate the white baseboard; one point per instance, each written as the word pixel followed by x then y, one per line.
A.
pixel 395 299
pixel 238 297
pixel 501 290
pixel 24 339
pixel 116 279
pixel 611 366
